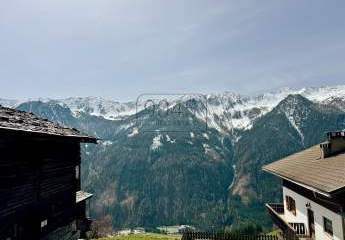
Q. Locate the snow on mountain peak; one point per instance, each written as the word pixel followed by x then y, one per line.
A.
pixel 98 106
pixel 235 111
pixel 225 111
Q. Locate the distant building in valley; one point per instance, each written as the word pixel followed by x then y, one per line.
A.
pixel 313 191
pixel 185 228
pixel 40 195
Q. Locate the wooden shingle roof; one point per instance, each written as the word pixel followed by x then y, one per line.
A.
pixel 15 120
pixel 308 169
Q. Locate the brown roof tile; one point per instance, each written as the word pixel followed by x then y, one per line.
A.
pixel 326 175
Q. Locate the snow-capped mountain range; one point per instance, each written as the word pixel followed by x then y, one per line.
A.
pixel 222 161
pixel 225 111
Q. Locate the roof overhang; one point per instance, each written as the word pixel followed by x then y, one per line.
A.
pixel 82 196
pixel 311 188
pixel 80 138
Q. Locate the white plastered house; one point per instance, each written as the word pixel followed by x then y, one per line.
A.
pixel 313 191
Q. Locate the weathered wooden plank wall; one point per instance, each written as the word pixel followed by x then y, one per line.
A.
pixel 37 181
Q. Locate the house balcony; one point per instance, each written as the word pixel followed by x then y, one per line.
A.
pixel 290 231
pixel 83 221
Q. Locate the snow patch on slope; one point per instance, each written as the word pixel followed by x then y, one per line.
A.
pixel 134 132
pixel 206 136
pixel 9 103
pixel 169 139
pixel 101 107
pixel 293 123
pixel 293 115
pixel 107 143
pixel 206 147
pixel 191 134
pixel 156 142
pixel 234 177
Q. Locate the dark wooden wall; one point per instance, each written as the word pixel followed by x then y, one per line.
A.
pixel 37 182
pixel 336 203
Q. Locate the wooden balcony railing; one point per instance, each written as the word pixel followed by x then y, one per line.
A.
pixel 290 230
pixel 277 207
pixel 299 229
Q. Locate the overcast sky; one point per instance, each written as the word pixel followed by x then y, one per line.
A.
pixel 121 48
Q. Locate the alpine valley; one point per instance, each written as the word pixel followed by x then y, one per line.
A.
pixel 208 175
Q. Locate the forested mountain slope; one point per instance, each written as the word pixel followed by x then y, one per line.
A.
pixel 205 176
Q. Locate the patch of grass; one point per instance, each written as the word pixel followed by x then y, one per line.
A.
pixel 144 236
pixel 274 232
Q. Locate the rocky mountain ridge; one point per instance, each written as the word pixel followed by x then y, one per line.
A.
pixel 143 174
pixel 226 111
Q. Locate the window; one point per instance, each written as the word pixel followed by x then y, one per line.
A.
pixel 327 226
pixel 77 172
pixel 290 204
pixel 44 223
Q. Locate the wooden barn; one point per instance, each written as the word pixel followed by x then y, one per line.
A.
pixel 40 195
